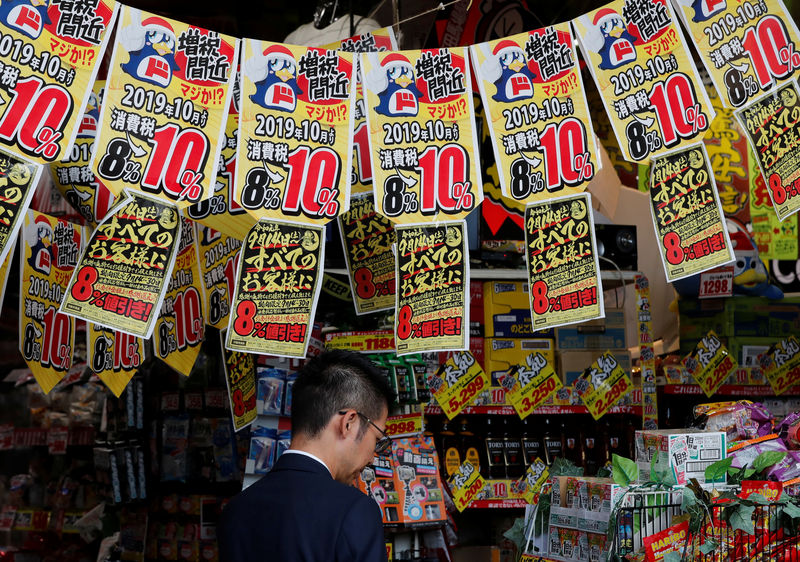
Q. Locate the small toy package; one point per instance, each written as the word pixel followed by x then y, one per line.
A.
pixel 269 397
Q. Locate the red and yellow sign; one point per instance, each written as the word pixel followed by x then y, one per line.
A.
pixel 781 364
pixel 528 386
pixel 240 378
pixel 465 485
pixel 18 180
pixel 219 258
pixel 405 424
pixel 113 356
pixel 379 341
pixel 458 382
pixel 710 364
pixel 603 384
pixel 535 477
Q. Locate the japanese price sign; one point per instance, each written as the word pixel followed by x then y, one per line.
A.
pixel 458 382
pixel 747 45
pixel 645 75
pixel 367 238
pixel 535 477
pixel 49 250
pixel 433 287
pixel 405 424
pixel 50 55
pixel 562 262
pixel 126 266
pixel 781 364
pixel 378 341
pixel 716 283
pixel 164 114
pixel 532 88
pixel 602 385
pixel 529 385
pixel 280 267
pixel 373 42
pixel 221 212
pixel 422 134
pixel 647 356
pixel 771 123
pixel 240 378
pixel 219 257
pixel 73 176
pixel 686 213
pixel 710 364
pixel 775 239
pixel 179 327
pixel 113 356
pixel 465 484
pixel 294 130
pixel 18 181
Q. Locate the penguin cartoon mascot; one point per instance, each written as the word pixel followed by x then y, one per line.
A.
pixel 42 254
pixel 398 92
pixel 612 40
pixel 151 48
pixel 274 73
pixel 704 9
pixel 516 79
pixel 26 16
pixel 91 117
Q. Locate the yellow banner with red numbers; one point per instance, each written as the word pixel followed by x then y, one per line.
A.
pixel 113 356
pixel 603 384
pixel 240 378
pixel 219 258
pixel 781 364
pixel 710 363
pixel 529 385
pixel 465 485
pixel 458 382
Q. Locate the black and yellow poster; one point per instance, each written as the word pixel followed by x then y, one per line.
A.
pixel 278 282
pixel 240 378
pixel 367 237
pixel 113 356
pixel 687 215
pixel 219 258
pixel 126 266
pixel 18 181
pixel 180 324
pixel 562 261
pixel 772 124
pixel 49 249
pixel 432 288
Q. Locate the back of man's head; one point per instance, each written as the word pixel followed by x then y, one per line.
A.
pixel 333 381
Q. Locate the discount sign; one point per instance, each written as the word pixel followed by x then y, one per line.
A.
pixel 466 484
pixel 710 364
pixel 458 382
pixel 113 356
pixel 781 364
pixel 15 197
pixel 603 384
pixel 529 385
pixel 240 378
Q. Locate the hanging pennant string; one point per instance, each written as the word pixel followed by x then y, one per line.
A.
pixel 439 8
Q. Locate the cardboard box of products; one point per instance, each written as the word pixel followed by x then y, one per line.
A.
pixel 501 354
pixel 600 334
pixel 507 311
pixel 686 452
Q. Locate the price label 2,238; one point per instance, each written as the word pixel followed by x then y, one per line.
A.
pixel 781 364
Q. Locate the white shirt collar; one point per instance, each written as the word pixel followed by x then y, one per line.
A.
pixel 309 455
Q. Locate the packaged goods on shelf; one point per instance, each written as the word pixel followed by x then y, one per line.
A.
pixel 501 354
pixel 685 452
pixel 600 334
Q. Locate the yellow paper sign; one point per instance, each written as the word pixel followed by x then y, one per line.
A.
pixel 603 384
pixel 180 324
pixel 458 382
pixel 294 131
pixel 240 377
pixel 747 46
pixel 165 109
pixel 406 424
pixel 113 356
pixel 422 134
pixel 776 239
pixel 466 484
pixel 432 274
pixel 562 262
pixel 650 88
pixel 781 365
pixel 772 127
pixel 647 354
pixel 687 214
pixel 367 238
pixel 710 364
pixel 532 88
pixel 379 341
pixel 16 193
pixel 535 477
pixel 277 289
pixel 51 54
pixel 123 273
pixel 527 386
pixel 219 258
pixel 48 251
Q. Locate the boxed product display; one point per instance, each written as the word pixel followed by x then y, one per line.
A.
pixel 600 334
pixel 685 452
pixel 416 472
pixel 502 354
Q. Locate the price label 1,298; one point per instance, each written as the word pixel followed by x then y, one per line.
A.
pixel 466 484
pixel 716 283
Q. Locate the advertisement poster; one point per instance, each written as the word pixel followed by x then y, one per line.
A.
pixel 687 216
pixel 219 258
pixel 165 108
pixel 561 256
pixel 650 88
pixel 240 378
pixel 50 54
pixel 181 321
pixel 775 239
pixel 125 268
pixel 18 180
pixel 458 382
pixel 647 356
pixel 295 127
pixel 603 384
pixel 535 477
pixel 781 364
pixel 541 131
pixel 466 484
pixel 278 282
pixel 373 42
pixel 221 212
pixel 771 123
pixel 48 250
pixel 113 356
pixel 73 176
pixel 528 386
pixel 422 135
pixel 367 239
pixel 710 364
pixel 433 288
pixel 747 46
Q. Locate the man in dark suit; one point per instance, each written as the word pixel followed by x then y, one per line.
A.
pixel 306 508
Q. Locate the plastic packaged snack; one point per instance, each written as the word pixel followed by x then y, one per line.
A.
pixel 789 430
pixel 739 420
pixel 745 452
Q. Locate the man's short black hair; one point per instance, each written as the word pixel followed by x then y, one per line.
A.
pixel 337 380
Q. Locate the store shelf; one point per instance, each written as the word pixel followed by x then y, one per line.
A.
pixel 498 410
pixel 497 504
pixel 728 390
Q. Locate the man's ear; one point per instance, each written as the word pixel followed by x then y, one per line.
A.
pixel 347 422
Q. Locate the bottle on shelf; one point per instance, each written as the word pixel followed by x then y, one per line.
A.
pixel 553 442
pixel 450 450
pixel 471 449
pixel 495 450
pixel 573 443
pixel 592 452
pixel 531 444
pixel 515 466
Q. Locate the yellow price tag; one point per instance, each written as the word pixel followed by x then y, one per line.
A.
pixel 466 483
pixel 380 341
pixel 458 382
pixel 531 385
pixel 781 365
pixel 535 477
pixel 407 424
pixel 603 384
pixel 710 364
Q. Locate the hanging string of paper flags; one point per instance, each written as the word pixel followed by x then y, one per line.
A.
pixel 207 167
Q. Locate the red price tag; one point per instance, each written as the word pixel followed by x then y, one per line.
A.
pixel 57 440
pixel 716 283
pixel 407 424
